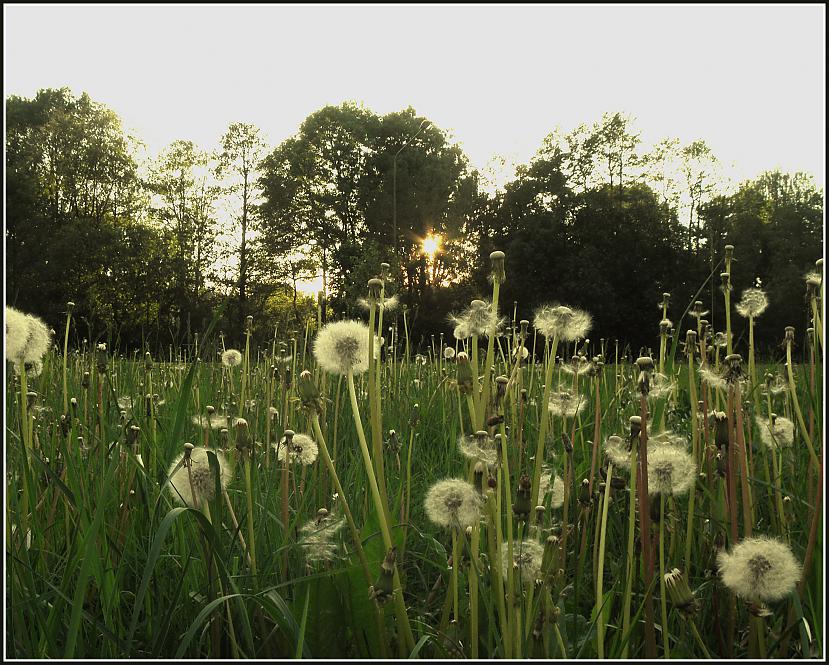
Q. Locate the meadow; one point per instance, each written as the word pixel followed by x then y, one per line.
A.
pixel 516 489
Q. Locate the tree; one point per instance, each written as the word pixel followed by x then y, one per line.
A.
pixel 238 162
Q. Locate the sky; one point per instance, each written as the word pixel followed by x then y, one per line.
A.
pixel 749 80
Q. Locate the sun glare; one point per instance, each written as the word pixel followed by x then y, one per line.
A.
pixel 431 245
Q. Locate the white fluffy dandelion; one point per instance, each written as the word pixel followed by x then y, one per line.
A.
pixel 231 358
pixel 779 435
pixel 477 319
pixel 453 503
pixel 670 471
pixel 197 486
pixel 566 405
pixel 713 378
pixel 759 569
pixel 27 337
pixel 302 450
pixel 479 448
pixel 752 304
pixel 317 537
pixel 563 322
pixel 342 347
pixel 527 556
pixel 617 451
pixel 449 353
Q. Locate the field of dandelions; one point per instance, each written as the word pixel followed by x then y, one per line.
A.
pixel 341 494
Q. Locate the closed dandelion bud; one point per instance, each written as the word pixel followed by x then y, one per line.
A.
pixel 729 252
pixel 188 450
pixel 492 421
pixel 635 426
pixel 223 437
pixel 248 323
pixel 31 398
pixel 243 440
pixel 524 396
pixel 414 417
pixel 549 560
pixel 65 425
pixel 664 326
pixel 464 374
pixel 491 483
pixel 147 403
pixel 725 278
pixel 210 410
pixel 132 435
pixel 522 503
pixel 85 380
pixel 501 388
pixel 720 465
pixel 539 514
pixel 479 476
pixel 789 337
pixel 148 361
pixel 384 587
pixel 309 394
pixel 720 420
pixel 690 340
pixel 584 493
pixel 524 323
pixel 385 271
pixel 680 593
pixel 566 443
pixel 101 358
pixel 374 287
pixel 497 260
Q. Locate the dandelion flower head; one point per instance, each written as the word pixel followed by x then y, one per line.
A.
pixel 759 569
pixel 671 471
pixel 198 485
pixel 527 556
pixel 453 503
pixel 302 450
pixel 231 358
pixel 342 347
pixel 752 304
pixel 566 323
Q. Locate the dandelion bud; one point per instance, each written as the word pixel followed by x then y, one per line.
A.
pixel 522 504
pixel 635 426
pixel 65 425
pixel 385 271
pixel 664 326
pixel 725 278
pixel 248 323
pixel 524 323
pixel 464 374
pixel 680 593
pixel 322 513
pixel 690 340
pixel 479 476
pixel 31 398
pixel 644 363
pixel 132 435
pixel 148 361
pixel 414 417
pixel 584 493
pixel 789 334
pixel 309 393
pixel 492 421
pixel 720 465
pixel 375 286
pixel 491 483
pixel 188 450
pixel 384 587
pixel 498 273
pixel 101 358
pixel 568 445
pixel 501 386
pixel 539 514
pixel 729 252
pixel 549 560
pixel 720 421
pixel 243 440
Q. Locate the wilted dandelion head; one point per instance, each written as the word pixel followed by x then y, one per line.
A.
pixel 477 319
pixel 712 377
pixel 453 503
pixel 563 322
pixel 301 450
pixel 759 569
pixel 479 447
pixel 198 485
pixel 317 536
pixel 752 304
pixel 670 471
pixel 775 433
pixel 566 405
pixel 27 337
pixel 617 451
pixel 231 358
pixel 527 556
pixel 342 347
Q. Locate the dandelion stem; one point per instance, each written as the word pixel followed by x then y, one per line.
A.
pixel 542 427
pixel 600 573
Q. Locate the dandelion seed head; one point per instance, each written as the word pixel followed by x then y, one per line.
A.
pixel 203 484
pixel 779 435
pixel 453 503
pixel 479 448
pixel 713 378
pixel 449 353
pixel 565 405
pixel 759 569
pixel 527 557
pixel 302 450
pixel 752 304
pixel 27 337
pixel 231 358
pixel 564 322
pixel 342 347
pixel 617 452
pixel 317 537
pixel 671 471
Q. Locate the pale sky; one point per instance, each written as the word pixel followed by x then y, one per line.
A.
pixel 749 80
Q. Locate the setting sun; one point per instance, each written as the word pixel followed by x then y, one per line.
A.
pixel 431 245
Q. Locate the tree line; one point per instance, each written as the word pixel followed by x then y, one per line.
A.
pixel 150 250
